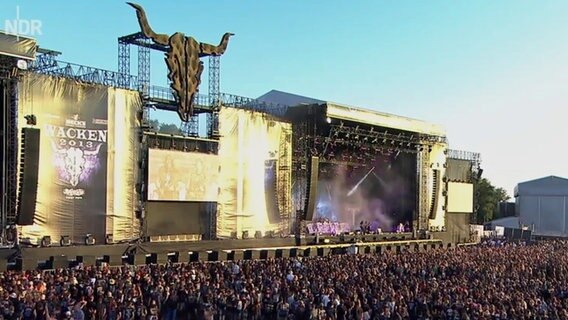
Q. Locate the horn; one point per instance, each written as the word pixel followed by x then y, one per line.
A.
pixel 145 26
pixel 93 152
pixel 211 50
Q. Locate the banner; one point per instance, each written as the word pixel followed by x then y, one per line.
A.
pixel 123 163
pixel 72 118
pixel 328 228
pixel 83 188
pixel 249 149
pixel 182 176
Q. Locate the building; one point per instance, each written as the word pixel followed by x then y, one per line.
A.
pixel 542 205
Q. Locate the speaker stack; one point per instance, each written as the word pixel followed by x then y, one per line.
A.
pixel 29 168
pixel 312 188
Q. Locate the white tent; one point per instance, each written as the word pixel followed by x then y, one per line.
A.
pixel 542 205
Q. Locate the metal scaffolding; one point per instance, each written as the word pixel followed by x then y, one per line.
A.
pixel 423 189
pixel 9 149
pixel 214 95
pixel 284 181
pixel 123 64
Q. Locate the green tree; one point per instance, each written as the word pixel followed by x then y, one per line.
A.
pixel 169 128
pixel 486 200
pixel 154 125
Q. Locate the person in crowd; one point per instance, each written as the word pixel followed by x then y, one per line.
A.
pixel 494 280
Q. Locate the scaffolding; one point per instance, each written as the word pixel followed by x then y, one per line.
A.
pixel 284 181
pixel 214 96
pixel 423 189
pixel 9 75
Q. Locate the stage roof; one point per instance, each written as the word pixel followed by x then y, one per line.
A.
pixel 356 114
pixel 287 99
pixel 17 46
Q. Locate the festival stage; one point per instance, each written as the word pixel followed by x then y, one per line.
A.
pixel 29 258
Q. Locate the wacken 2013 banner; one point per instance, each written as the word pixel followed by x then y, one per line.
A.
pixel 72 179
pixel 77 152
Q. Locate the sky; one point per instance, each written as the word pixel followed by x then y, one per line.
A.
pixel 493 73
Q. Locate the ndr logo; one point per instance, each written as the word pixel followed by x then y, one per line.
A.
pixel 19 26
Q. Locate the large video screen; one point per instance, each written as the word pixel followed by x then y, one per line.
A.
pixel 460 197
pixel 380 192
pixel 182 176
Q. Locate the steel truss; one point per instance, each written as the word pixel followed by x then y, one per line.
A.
pixel 9 75
pixel 367 142
pixel 9 151
pixel 473 157
pixel 161 98
pixel 214 98
pixel 422 172
pixel 284 182
pixel 82 73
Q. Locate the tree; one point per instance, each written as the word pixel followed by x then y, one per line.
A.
pixel 169 128
pixel 154 125
pixel 486 200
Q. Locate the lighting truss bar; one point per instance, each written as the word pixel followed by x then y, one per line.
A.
pixel 139 39
pixel 343 163
pixel 81 73
pixel 162 98
pixel 374 138
pixel 464 155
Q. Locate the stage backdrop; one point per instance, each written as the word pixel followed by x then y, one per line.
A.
pixel 82 187
pixel 182 176
pixel 249 150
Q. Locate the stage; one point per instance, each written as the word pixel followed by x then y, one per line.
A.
pixel 28 258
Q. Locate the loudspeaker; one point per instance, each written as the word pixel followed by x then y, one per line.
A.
pixel 271 191
pixel 65 241
pixel 45 241
pixel 312 189
pixel 29 167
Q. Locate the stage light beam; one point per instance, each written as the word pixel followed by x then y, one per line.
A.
pixel 359 183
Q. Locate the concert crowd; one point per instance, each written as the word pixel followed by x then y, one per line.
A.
pixel 489 281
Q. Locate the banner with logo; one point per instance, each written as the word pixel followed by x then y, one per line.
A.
pixel 72 179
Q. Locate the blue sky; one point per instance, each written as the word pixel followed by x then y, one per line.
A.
pixel 494 73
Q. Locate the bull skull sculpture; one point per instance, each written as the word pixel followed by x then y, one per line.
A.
pixel 183 61
pixel 74 161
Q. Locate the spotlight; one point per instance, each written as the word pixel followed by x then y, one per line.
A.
pixel 22 64
pixel 65 241
pixel 45 241
pixel 328 120
pixel 89 239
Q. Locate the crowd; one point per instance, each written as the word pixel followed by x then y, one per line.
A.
pixel 493 281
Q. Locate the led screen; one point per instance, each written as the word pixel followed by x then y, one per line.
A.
pixel 460 197
pixel 182 176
